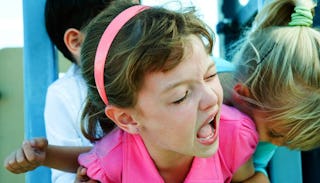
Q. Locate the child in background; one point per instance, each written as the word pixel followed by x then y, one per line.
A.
pixel 277 78
pixel 65 97
pixel 158 99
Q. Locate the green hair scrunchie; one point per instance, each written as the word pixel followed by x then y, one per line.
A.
pixel 301 17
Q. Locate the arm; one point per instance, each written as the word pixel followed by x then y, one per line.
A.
pixel 246 174
pixel 257 177
pixel 37 152
pixel 64 158
pixel 261 158
pixel 64 102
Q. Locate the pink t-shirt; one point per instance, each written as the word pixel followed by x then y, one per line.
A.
pixel 122 157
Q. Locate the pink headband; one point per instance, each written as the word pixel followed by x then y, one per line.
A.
pixel 105 42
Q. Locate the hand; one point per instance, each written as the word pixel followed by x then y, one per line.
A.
pixel 29 156
pixel 82 176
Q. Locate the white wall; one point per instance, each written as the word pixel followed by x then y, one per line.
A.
pixel 11 26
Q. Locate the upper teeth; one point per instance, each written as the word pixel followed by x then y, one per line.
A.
pixel 212 118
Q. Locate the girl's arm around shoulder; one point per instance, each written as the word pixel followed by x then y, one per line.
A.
pixel 246 174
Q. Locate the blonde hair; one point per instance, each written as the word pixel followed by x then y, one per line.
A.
pixel 281 67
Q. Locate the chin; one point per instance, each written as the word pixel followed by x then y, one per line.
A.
pixel 209 151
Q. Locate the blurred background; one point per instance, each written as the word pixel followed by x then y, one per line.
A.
pixel 226 17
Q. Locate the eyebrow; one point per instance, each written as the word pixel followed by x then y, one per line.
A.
pixel 173 85
pixel 275 133
pixel 213 63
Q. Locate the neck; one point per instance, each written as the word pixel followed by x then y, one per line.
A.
pixel 172 166
pixel 174 171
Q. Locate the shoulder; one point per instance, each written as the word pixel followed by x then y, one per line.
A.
pixel 233 118
pixel 238 136
pixel 72 76
pixel 72 79
pixel 70 88
pixel 104 161
pixel 236 124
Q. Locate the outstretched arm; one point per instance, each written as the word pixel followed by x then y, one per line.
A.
pixel 36 152
pixel 64 158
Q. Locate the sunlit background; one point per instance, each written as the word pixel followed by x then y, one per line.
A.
pixel 11 25
pixel 11 17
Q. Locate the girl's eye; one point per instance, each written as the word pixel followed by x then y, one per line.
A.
pixel 211 76
pixel 182 99
pixel 274 134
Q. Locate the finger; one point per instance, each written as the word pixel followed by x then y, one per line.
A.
pixel 9 158
pixel 84 177
pixel 82 174
pixel 40 143
pixel 83 171
pixel 9 161
pixel 30 153
pixel 91 181
pixel 23 165
pixel 14 165
pixel 80 170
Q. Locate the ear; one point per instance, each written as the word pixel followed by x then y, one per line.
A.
pixel 240 91
pixel 73 39
pixel 122 118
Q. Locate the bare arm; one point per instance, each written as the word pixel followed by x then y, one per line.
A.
pixel 257 177
pixel 36 152
pixel 244 172
pixel 64 158
pixel 247 174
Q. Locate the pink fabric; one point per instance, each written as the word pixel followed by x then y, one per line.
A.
pixel 122 157
pixel 238 139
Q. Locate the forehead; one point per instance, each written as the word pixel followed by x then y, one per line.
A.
pixel 194 64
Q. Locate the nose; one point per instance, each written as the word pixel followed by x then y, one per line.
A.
pixel 209 98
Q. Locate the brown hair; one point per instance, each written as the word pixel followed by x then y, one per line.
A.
pixel 153 40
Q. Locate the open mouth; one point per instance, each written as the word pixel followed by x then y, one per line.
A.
pixel 208 132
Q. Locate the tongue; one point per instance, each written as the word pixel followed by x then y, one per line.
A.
pixel 205 131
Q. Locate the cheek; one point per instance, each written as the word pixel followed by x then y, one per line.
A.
pixel 262 131
pixel 218 88
pixel 263 137
pixel 277 141
pixel 185 118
